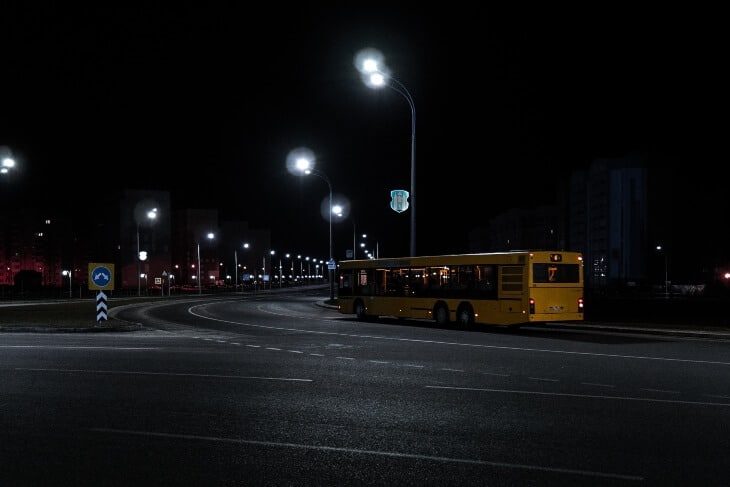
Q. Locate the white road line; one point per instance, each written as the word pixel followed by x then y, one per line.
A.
pixel 349 451
pixel 585 396
pixel 458 344
pixel 170 374
pixel 64 347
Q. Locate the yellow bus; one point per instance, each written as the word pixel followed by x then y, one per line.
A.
pixel 501 288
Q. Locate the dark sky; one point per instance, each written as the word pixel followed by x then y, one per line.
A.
pixel 207 102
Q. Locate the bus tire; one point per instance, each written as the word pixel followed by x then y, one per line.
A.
pixel 465 315
pixel 359 309
pixel 441 314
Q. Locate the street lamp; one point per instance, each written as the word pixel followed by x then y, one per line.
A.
pixel 271 274
pixel 141 256
pixel 235 266
pixel 70 289
pixel 301 161
pixel 301 269
pixel 666 275
pixel 376 75
pixel 210 236
pixel 7 164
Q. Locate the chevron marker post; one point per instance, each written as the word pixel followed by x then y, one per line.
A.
pixel 101 307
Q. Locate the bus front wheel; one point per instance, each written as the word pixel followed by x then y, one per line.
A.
pixel 465 316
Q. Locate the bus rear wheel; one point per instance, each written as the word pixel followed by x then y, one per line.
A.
pixel 359 308
pixel 441 314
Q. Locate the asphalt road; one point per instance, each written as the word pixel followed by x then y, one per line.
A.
pixel 279 390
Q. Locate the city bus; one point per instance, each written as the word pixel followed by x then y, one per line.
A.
pixel 501 288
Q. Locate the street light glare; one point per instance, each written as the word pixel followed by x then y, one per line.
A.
pixel 368 60
pixel 300 161
pixel 304 165
pixel 376 80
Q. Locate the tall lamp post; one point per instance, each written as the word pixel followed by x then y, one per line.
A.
pixel 210 236
pixel 70 289
pixel 666 275
pixel 151 215
pixel 377 76
pixel 301 161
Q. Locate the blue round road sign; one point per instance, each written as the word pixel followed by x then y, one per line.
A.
pixel 101 276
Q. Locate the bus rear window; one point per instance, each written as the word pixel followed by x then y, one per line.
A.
pixel 555 273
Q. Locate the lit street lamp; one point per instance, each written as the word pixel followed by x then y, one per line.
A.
pixel 377 76
pixel 7 164
pixel 70 289
pixel 301 161
pixel 141 256
pixel 210 236
pixel 666 275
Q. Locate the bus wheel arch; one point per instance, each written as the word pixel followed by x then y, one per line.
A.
pixel 441 313
pixel 465 314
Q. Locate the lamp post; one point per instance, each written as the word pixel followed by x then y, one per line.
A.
pixel 210 236
pixel 271 273
pixel 246 246
pixel 70 289
pixel 666 275
pixel 376 76
pixel 301 161
pixel 291 266
pixel 141 256
pixel 301 269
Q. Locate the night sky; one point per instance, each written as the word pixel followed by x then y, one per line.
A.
pixel 207 102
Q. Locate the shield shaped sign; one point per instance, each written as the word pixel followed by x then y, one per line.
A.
pixel 399 200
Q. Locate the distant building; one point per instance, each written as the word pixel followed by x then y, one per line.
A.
pixel 602 213
pixel 608 221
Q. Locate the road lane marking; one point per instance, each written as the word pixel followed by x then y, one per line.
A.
pixel 458 344
pixel 170 374
pixel 391 454
pixel 585 396
pixel 64 347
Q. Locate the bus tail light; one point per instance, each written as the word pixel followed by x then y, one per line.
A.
pixel 532 306
pixel 580 305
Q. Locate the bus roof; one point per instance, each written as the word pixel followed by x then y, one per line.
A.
pixel 507 257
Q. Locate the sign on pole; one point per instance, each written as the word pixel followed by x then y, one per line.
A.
pixel 101 277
